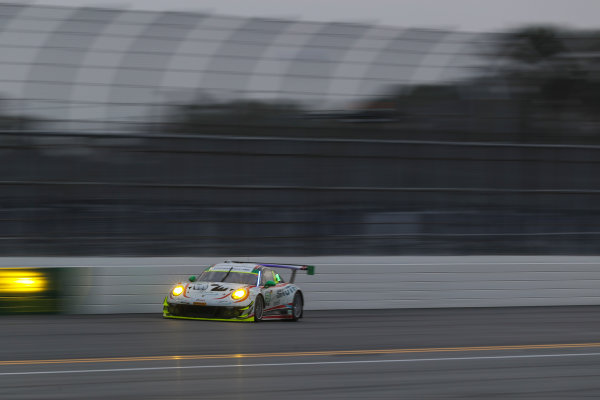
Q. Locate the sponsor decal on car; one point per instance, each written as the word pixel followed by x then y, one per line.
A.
pixel 218 288
pixel 233 267
pixel 285 291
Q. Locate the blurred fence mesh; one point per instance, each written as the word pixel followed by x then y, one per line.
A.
pixel 168 194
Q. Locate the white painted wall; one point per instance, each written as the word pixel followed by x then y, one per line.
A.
pixel 113 285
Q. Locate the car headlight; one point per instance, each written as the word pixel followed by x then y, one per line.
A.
pixel 239 294
pixel 177 290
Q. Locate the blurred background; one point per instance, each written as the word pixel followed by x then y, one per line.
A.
pixel 126 132
pixel 437 161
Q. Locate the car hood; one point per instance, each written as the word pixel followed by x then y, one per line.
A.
pixel 215 287
pixel 211 294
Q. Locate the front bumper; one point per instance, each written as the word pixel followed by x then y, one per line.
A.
pixel 212 313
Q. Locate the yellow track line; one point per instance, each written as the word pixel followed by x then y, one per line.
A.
pixel 300 354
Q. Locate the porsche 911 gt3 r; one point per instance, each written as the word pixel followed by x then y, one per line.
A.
pixel 238 291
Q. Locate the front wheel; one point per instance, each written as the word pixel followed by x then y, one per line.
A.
pixel 297 307
pixel 259 308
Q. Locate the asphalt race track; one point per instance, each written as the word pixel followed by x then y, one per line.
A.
pixel 537 352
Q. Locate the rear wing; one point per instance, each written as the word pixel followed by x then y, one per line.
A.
pixel 310 269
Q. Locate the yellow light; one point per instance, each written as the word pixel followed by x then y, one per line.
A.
pixel 22 281
pixel 25 281
pixel 239 294
pixel 177 290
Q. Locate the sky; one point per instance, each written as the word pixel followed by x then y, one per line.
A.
pixel 466 15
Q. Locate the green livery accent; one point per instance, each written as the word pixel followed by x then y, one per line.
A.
pixel 167 315
pixel 248 319
pixel 165 307
pixel 310 269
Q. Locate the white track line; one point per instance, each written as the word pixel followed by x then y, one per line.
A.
pixel 83 371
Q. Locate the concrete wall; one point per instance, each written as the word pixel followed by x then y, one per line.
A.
pixel 128 285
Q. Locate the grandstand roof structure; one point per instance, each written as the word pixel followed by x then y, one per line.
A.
pixel 83 67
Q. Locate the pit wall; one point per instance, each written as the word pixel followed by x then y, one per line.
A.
pixel 93 285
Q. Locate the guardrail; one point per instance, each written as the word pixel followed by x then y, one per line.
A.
pixel 91 285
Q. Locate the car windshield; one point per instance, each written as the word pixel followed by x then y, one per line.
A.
pixel 232 277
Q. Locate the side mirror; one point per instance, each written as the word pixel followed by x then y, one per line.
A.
pixel 270 284
pixel 192 278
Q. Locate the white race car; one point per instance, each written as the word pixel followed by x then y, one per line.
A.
pixel 238 291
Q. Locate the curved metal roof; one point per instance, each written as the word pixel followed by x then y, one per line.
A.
pixel 92 64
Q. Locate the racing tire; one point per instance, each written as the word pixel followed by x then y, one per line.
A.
pixel 297 307
pixel 259 308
